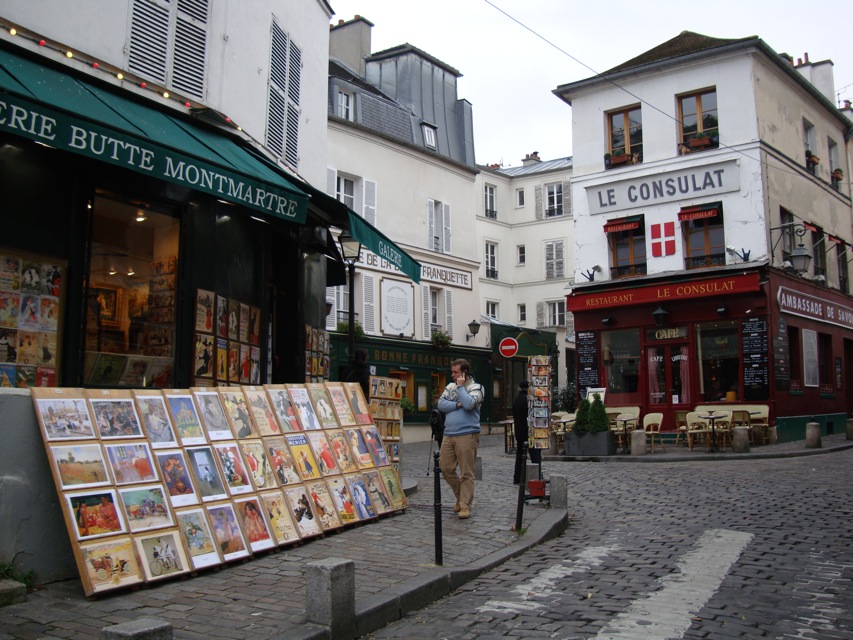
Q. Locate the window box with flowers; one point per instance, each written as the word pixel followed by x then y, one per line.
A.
pixel 440 339
pixel 837 175
pixel 617 158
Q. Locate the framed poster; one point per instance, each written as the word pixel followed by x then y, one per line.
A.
pixel 162 554
pixel 109 302
pixel 358 403
pixel 238 413
pixel 108 564
pixel 185 417
pixel 393 487
pixel 323 453
pixel 233 468
pixel 304 409
pixel 363 504
pixel 283 408
pixel 145 507
pixel 131 462
pixel 303 512
pixel 227 531
pixel 342 499
pixel 374 446
pixel 339 444
pixel 303 455
pixel 358 446
pixel 212 414
pixel 258 464
pixel 324 507
pixel 281 522
pixel 377 492
pixel 343 411
pixel 151 407
pixel 94 513
pixel 177 477
pixel 255 524
pixel 262 412
pixel 114 413
pixel 63 414
pixel 281 460
pixel 205 470
pixel 204 310
pixel 323 405
pixel 79 466
pixel 198 537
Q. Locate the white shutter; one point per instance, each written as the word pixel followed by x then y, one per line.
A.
pixel 190 55
pixel 294 88
pixel 549 260
pixel 332 183
pixel 567 198
pixel 540 206
pixel 448 312
pixel 430 224
pixel 277 107
pixel 559 271
pixel 540 314
pixel 369 210
pixel 446 221
pixel 426 333
pixel 368 309
pixel 149 40
pixel 332 318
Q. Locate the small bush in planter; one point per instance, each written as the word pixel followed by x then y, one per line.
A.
pixel 597 416
pixel 581 424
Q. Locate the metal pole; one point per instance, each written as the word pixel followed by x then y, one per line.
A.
pixel 351 354
pixel 439 555
pixel 519 510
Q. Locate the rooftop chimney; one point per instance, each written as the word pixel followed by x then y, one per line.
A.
pixel 349 43
pixel 531 158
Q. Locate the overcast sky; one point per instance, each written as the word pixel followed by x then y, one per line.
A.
pixel 508 71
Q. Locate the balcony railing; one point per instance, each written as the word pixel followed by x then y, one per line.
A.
pixel 710 260
pixel 552 212
pixel 492 274
pixel 628 270
pixel 491 213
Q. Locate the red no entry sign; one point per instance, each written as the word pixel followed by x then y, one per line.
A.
pixel 508 347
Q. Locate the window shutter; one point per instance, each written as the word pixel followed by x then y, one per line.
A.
pixel 332 183
pixel 149 40
pixel 278 82
pixel 446 238
pixel 430 224
pixel 540 207
pixel 549 260
pixel 567 198
pixel 425 331
pixel 558 259
pixel 448 312
pixel 368 308
pixel 540 314
pixel 190 47
pixel 370 202
pixel 294 88
pixel 332 318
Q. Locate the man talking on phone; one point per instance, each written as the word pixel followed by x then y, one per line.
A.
pixel 460 403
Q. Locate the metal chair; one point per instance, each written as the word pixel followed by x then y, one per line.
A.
pixel 651 425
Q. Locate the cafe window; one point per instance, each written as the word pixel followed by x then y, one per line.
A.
pixel 130 315
pixel 704 237
pixel 621 359
pixel 717 347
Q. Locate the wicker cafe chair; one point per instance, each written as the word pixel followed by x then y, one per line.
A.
pixel 651 425
pixel 723 428
pixel 741 418
pixel 697 428
pixel 680 427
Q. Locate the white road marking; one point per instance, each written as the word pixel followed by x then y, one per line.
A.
pixel 668 612
pixel 543 584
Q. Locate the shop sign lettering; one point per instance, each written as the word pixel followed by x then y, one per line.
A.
pixel 820 309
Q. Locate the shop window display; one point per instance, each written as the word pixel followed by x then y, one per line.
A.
pixel 621 355
pixel 719 358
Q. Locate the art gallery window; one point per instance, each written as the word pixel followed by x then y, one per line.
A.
pixel 130 314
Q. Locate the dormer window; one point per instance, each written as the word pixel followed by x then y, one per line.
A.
pixel 429 135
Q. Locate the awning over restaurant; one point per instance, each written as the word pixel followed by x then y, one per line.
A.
pixel 378 243
pixel 45 105
pixel 622 224
pixel 698 213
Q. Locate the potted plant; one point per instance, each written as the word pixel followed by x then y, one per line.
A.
pixel 837 174
pixel 811 159
pixel 440 339
pixel 701 139
pixel 591 435
pixel 406 404
pixel 619 157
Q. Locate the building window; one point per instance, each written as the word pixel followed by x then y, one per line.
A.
pixel 522 313
pixel 438 226
pixel 553 199
pixel 345 110
pixel 489 197
pixel 809 146
pixel 621 356
pixel 557 314
pixel 429 135
pixel 836 171
pixel 283 99
pixel 719 360
pixel 519 197
pixel 345 191
pixel 786 221
pixel 819 253
pixel 554 260
pixel 628 249
pixel 168 44
pixel 434 308
pixel 521 253
pixel 704 238
pixel 491 260
pixel 699 124
pixel 492 309
pixel 843 273
pixel 824 360
pixel 625 137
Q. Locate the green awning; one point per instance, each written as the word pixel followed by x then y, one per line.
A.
pixel 48 106
pixel 375 240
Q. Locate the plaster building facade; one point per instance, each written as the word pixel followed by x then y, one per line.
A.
pixel 711 186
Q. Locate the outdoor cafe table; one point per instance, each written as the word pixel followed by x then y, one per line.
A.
pixel 711 417
pixel 625 418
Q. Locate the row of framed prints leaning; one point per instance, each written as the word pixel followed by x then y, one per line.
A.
pixel 157 483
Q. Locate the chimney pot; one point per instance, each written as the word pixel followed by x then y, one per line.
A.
pixel 806 57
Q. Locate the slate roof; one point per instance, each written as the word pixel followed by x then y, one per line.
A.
pixel 683 44
pixel 534 167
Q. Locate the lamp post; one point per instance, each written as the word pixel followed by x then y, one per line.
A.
pixel 350 251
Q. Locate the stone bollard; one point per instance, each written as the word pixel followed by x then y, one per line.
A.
pixel 638 443
pixel 559 492
pixel 740 439
pixel 813 435
pixel 139 629
pixel 772 435
pixel 850 428
pixel 330 595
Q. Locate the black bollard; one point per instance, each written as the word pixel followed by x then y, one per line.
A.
pixel 439 556
pixel 522 486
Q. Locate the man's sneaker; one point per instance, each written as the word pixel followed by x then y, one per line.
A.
pixel 457 508
pixel 464 514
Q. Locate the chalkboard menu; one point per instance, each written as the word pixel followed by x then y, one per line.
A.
pixel 756 359
pixel 586 346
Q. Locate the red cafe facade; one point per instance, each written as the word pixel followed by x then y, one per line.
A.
pixel 724 335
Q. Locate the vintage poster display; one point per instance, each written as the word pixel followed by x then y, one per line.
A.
pixel 109 564
pixel 322 404
pixel 361 498
pixel 374 446
pixel 212 413
pixel 343 411
pixel 303 455
pixel 255 524
pixel 205 470
pixel 377 492
pixel 358 403
pixel 358 446
pixel 198 537
pixel 234 470
pixel 94 513
pixel 304 409
pixel 114 413
pixel 283 408
pixel 63 414
pixel 259 467
pixel 342 499
pixel 145 507
pixel 204 310
pixel 79 466
pixel 262 412
pixel 184 416
pixel 324 507
pixel 177 477
pixel 237 410
pixel 227 532
pixel 300 506
pixel 339 444
pixel 152 411
pixel 322 453
pixel 162 554
pixel 393 488
pixel 280 519
pixel 131 462
pixel 281 461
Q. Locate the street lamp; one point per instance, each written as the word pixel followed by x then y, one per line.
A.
pixel 351 251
